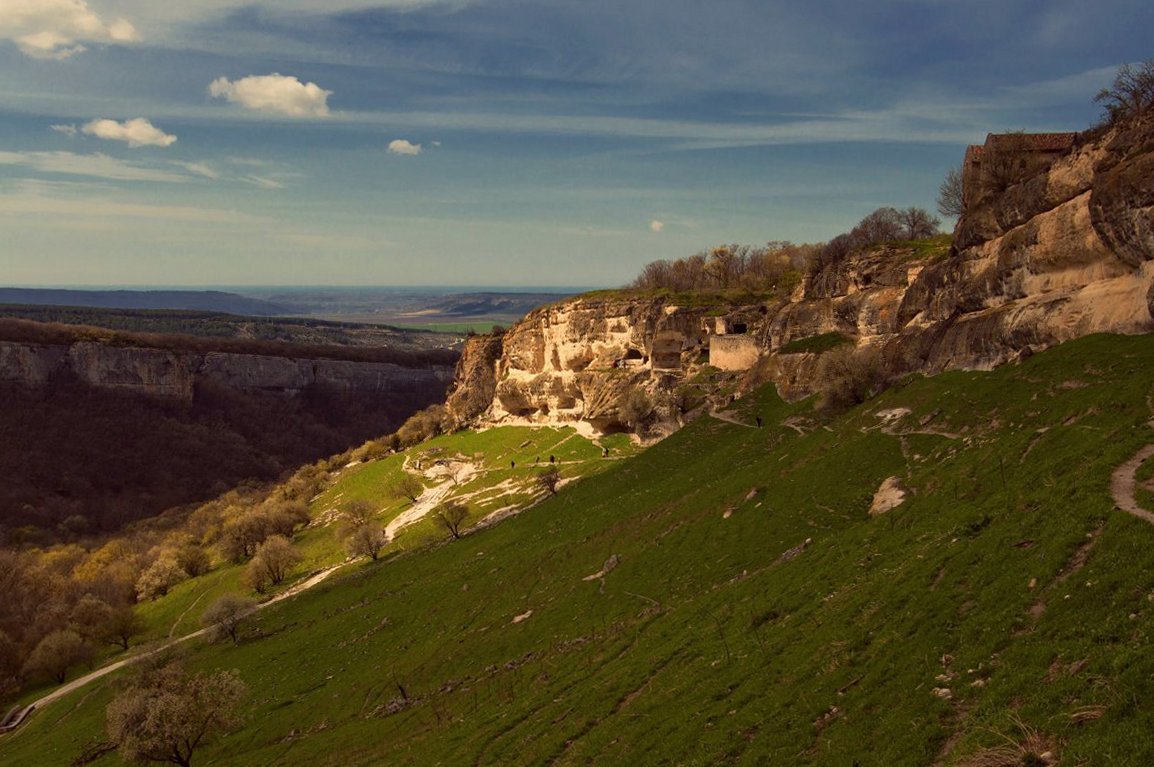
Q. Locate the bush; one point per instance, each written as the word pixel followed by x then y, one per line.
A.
pixel 847 377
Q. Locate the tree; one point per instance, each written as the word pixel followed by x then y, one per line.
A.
pixel 95 619
pixel 452 514
pixel 243 534
pixel 363 536
pixel 56 653
pixel 548 479
pixel 271 563
pixel 355 513
pixel 159 577
pixel 407 486
pixel 951 201
pixel 123 624
pixel 917 223
pixel 1131 94
pixel 193 559
pixel 165 715
pixel 366 540
pixel 224 617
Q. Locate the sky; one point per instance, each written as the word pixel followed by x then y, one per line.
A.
pixel 502 142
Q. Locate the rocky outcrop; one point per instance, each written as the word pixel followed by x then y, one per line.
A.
pixel 175 374
pixel 1060 253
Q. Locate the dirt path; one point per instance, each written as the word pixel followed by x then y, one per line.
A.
pixel 92 676
pixel 1123 482
pixel 719 415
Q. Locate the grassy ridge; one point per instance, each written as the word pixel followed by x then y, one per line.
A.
pixel 721 636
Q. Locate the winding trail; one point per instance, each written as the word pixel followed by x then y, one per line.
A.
pixel 1123 483
pixel 721 416
pixel 92 676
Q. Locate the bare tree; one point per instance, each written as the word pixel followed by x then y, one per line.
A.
pixel 848 376
pixel 1132 92
pixel 917 223
pixel 951 201
pixel 549 479
pixel 452 514
pixel 166 715
pixel 355 513
pixel 407 486
pixel 224 617
pixel 366 540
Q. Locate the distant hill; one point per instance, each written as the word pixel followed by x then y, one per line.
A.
pixel 482 304
pixel 196 300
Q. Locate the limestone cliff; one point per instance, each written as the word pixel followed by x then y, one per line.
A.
pixel 1060 253
pixel 175 374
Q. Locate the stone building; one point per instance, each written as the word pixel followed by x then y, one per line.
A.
pixel 1007 158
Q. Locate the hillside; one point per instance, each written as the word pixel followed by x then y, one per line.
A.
pixel 294 330
pixel 193 300
pixel 726 597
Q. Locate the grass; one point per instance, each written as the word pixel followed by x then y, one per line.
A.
pixel 815 344
pixel 756 614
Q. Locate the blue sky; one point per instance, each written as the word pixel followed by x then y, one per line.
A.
pixel 501 142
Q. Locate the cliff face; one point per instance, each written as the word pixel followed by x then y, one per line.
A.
pixel 1062 253
pixel 175 375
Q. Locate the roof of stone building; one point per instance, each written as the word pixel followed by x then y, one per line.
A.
pixel 1032 142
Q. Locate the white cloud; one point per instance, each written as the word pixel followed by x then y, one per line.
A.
pixel 274 93
pixel 136 133
pixel 402 146
pixel 57 29
pixel 656 226
pixel 67 130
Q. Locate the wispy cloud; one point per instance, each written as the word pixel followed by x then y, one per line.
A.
pixel 202 169
pixel 58 29
pixel 656 226
pixel 262 182
pixel 92 165
pixel 101 207
pixel 276 93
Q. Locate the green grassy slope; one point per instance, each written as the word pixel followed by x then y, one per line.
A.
pixel 720 637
